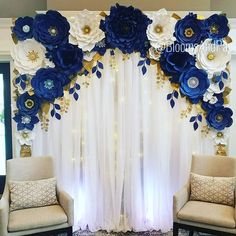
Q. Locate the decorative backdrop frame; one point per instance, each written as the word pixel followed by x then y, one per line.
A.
pixel 42 46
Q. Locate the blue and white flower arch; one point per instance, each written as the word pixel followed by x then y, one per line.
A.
pixel 51 51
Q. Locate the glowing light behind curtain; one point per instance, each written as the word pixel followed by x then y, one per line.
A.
pixel 121 151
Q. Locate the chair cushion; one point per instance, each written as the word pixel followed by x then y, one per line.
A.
pixel 212 189
pixel 208 213
pixel 38 193
pixel 33 218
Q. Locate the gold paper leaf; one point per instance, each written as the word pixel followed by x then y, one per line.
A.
pixel 15 71
pixel 227 91
pixel 227 39
pixel 177 17
pixel 31 92
pixel 200 17
pixel 45 107
pixel 25 151
pixel 97 57
pixel 40 114
pixel 103 14
pixel 88 65
pixel 67 87
pixel 158 66
pixel 14 38
pixel 226 100
pixel 175 86
pixel 13 20
pixel 153 62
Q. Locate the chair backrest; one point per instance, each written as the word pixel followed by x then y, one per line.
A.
pixel 32 168
pixel 217 166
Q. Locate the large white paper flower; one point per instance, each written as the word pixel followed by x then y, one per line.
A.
pixel 160 31
pixel 25 137
pixel 212 57
pixel 84 30
pixel 29 56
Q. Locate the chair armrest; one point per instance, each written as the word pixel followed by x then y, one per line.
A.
pixel 67 203
pixel 180 199
pixel 4 214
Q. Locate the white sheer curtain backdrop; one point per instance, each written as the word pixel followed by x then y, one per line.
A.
pixel 121 151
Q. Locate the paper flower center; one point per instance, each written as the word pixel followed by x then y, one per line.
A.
pixel 214 29
pixel 219 118
pixel 193 82
pixel 86 29
pixel 25 135
pixel 211 56
pixel 33 56
pixel 158 29
pixel 189 32
pixel 48 84
pixel 53 31
pixel 26 119
pixel 29 103
pixel 26 29
pixel 220 135
pixel 126 28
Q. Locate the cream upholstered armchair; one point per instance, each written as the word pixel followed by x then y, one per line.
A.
pixel 216 219
pixel 47 220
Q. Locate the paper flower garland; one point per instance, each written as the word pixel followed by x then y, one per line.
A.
pixel 51 52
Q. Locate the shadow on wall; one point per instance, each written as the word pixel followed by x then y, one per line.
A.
pixel 16 8
pixel 190 5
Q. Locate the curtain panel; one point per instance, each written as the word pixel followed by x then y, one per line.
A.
pixel 121 151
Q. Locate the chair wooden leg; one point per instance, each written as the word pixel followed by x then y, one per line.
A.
pixel 191 233
pixel 175 229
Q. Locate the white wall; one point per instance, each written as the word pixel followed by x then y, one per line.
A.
pixel 232 142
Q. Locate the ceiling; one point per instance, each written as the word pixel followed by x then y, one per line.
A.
pixel 16 8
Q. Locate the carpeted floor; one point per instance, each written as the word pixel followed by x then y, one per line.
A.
pixel 152 233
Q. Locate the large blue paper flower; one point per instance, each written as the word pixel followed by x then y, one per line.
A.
pixel 28 105
pixel 208 106
pixel 51 29
pixel 194 83
pixel 190 30
pixel 217 26
pixel 23 28
pixel 220 118
pixel 25 121
pixel 173 62
pixel 68 58
pixel 125 28
pixel 48 83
